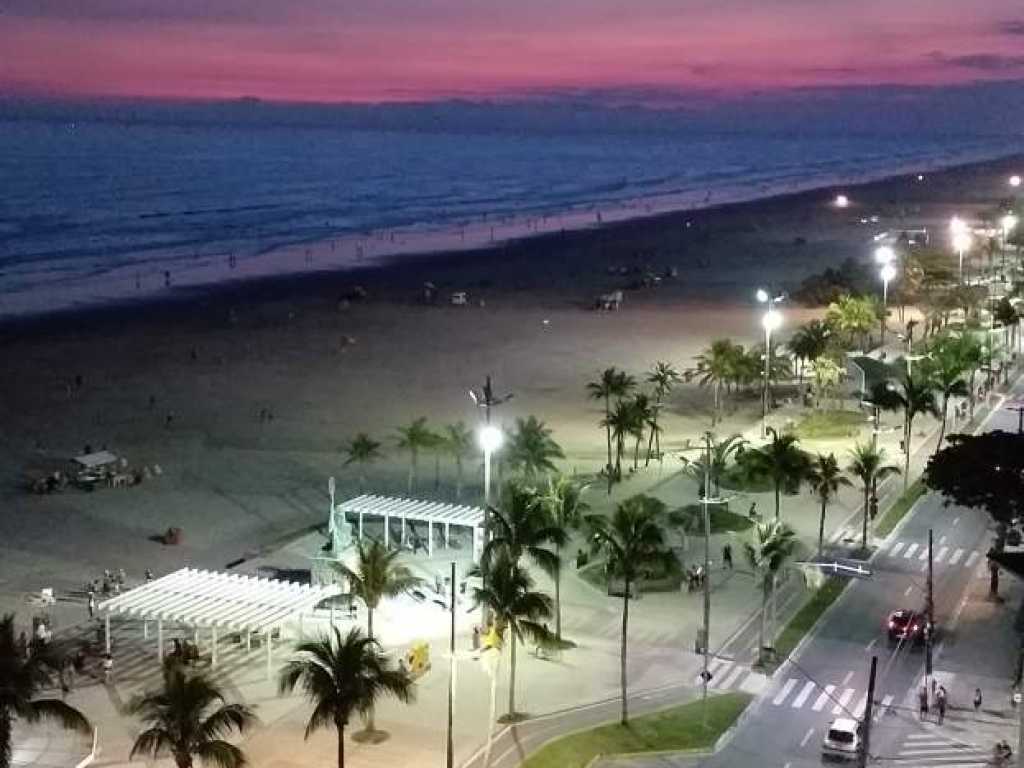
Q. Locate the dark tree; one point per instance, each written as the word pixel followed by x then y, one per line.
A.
pixel 985 471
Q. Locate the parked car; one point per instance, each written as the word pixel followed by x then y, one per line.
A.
pixel 844 739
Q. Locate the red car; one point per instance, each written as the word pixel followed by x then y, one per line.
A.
pixel 906 626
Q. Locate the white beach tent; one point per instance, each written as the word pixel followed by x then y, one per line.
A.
pixel 94 460
pixel 217 601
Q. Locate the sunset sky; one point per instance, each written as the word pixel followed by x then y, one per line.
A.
pixel 406 50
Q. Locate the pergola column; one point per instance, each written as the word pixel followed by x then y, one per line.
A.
pixel 270 654
pixel 106 632
pixel 302 633
pixel 160 639
pixel 405 539
pixel 447 535
pixel 477 543
pixel 213 646
pixel 145 630
pixel 430 539
pixel 360 526
pixel 248 642
pixel 387 520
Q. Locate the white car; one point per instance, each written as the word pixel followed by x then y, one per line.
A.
pixel 844 739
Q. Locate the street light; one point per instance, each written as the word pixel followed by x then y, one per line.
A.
pixel 1008 222
pixel 1015 180
pixel 842 201
pixel 490 439
pixel 961 244
pixel 771 321
pixel 887 273
pixel 884 254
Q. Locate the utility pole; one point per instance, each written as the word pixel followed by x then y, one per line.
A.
pixel 706 504
pixel 450 755
pixel 868 714
pixel 930 610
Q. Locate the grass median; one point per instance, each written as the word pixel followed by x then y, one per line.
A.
pixel 805 618
pixel 671 730
pixel 899 509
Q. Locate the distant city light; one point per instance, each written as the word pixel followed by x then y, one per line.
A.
pixel 842 201
pixel 920 177
pixel 1015 180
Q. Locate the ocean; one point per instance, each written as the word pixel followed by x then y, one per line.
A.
pixel 99 211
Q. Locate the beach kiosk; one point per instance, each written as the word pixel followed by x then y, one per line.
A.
pixel 90 467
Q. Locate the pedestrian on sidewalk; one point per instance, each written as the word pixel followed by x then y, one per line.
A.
pixel 977 700
pixel 92 604
pixel 922 702
pixel 727 555
pixel 940 701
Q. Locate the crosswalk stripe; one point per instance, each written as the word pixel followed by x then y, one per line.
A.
pixel 886 702
pixel 896 549
pixel 781 695
pixel 971 558
pixel 924 553
pixel 715 664
pixel 910 551
pixel 939 759
pixel 843 701
pixel 942 555
pixel 819 703
pixel 802 696
pixel 929 737
pixel 956 557
pixel 858 711
pixel 733 676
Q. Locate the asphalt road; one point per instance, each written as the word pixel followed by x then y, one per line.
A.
pixel 829 676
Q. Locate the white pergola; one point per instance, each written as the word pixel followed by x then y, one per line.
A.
pixel 218 601
pixel 429 512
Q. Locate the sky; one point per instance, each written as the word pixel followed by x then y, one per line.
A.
pixel 372 51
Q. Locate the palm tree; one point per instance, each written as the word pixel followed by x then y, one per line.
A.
pixel 565 508
pixel 853 316
pixel 914 396
pixel 947 368
pixel 631 541
pixel 868 464
pixel 415 438
pixel 459 444
pixel 621 422
pixel 508 595
pixel 612 384
pixel 808 343
pixel 664 377
pixel 21 680
pixel 773 545
pixel 377 574
pixel 531 449
pixel 781 461
pixel 521 526
pixel 188 717
pixel 716 366
pixel 343 676
pixel 643 414
pixel 362 450
pixel 825 479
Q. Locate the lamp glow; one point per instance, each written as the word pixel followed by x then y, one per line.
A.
pixel 888 273
pixel 842 201
pixel 771 320
pixel 884 254
pixel 957 225
pixel 762 295
pixel 961 242
pixel 490 438
pixel 1015 180
pixel 1009 221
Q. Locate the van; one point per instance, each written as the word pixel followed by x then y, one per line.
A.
pixel 843 739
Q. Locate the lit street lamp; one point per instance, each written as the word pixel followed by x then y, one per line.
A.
pixel 490 440
pixel 887 273
pixel 771 321
pixel 842 201
pixel 1015 180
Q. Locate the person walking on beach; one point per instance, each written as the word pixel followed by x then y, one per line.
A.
pixel 727 556
pixel 92 604
pixel 977 700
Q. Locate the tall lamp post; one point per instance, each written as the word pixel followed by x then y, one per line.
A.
pixel 961 237
pixel 771 321
pixel 490 441
pixel 885 256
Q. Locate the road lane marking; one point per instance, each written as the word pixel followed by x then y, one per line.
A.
pixel 956 557
pixel 733 676
pixel 802 696
pixel 971 559
pixel 896 549
pixel 884 706
pixel 909 590
pixel 843 701
pixel 847 679
pixel 910 551
pixel 781 695
pixel 807 737
pixel 942 554
pixel 819 703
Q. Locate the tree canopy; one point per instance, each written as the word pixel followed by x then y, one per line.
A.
pixel 985 471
